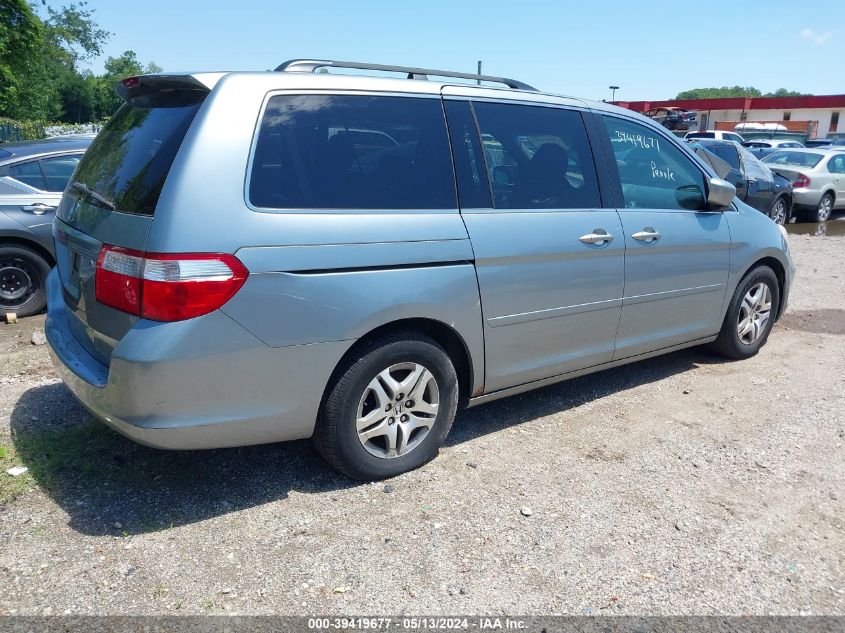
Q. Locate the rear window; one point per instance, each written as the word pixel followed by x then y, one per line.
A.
pixel 352 152
pixel 799 159
pixel 701 135
pixel 726 152
pixel 128 162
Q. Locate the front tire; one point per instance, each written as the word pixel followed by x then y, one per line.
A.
pixel 23 280
pixel 750 316
pixel 389 408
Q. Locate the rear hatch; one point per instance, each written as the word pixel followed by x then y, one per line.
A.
pixel 113 194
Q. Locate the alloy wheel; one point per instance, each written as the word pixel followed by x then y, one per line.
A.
pixel 754 313
pixel 397 410
pixel 778 213
pixel 824 209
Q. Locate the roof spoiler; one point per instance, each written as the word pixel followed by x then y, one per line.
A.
pixel 140 88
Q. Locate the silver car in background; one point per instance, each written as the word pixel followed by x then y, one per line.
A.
pixel 265 256
pixel 817 176
pixel 33 175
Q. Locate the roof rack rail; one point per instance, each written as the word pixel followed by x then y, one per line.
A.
pixel 311 65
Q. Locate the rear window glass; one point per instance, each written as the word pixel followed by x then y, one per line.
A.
pixel 727 153
pixel 28 173
pixel 58 170
pixel 127 164
pixel 701 135
pixel 352 152
pixel 799 159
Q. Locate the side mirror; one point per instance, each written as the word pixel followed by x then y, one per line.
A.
pixel 720 193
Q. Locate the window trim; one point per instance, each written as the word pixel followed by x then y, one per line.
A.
pixel 292 92
pixel 616 180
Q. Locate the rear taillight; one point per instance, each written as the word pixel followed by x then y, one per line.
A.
pixel 802 182
pixel 166 286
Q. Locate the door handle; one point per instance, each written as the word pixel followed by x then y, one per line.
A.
pixel 647 235
pixel 599 237
pixel 39 208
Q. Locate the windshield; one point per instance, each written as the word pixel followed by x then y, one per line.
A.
pixel 799 159
pixel 127 164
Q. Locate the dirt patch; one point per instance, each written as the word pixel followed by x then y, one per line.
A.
pixel 819 321
pixel 682 484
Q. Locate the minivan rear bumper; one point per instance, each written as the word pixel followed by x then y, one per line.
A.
pixel 195 384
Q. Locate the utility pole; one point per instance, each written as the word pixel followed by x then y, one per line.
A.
pixel 613 94
pixel 478 81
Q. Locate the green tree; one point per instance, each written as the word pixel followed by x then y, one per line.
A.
pixel 21 59
pixel 734 91
pixel 42 52
pixel 783 92
pixel 715 93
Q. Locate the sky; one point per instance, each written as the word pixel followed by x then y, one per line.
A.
pixel 651 50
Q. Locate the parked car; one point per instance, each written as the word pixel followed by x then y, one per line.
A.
pixel 670 118
pixel 293 284
pixel 719 135
pixel 763 147
pixel 33 175
pixel 756 184
pixel 825 142
pixel 817 176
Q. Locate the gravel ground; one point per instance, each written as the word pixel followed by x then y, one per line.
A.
pixel 677 485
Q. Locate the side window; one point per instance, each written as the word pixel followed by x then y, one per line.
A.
pixel 58 170
pixel 352 152
pixel 732 137
pixel 836 164
pixel 473 188
pixel 28 173
pixel 537 157
pixel 653 172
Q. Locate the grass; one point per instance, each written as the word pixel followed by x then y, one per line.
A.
pixel 12 487
pixel 85 455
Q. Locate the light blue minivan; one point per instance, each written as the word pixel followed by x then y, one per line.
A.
pixel 257 257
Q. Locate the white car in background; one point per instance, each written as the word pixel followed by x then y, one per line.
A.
pixel 719 135
pixel 762 147
pixel 817 177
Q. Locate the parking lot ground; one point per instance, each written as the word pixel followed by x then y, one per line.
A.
pixel 678 485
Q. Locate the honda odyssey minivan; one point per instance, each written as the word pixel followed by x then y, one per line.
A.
pixel 253 257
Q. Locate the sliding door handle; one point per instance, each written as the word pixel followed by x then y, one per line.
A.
pixel 599 237
pixel 647 235
pixel 39 208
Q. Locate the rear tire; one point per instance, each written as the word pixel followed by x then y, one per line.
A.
pixel 750 316
pixel 389 407
pixel 23 278
pixel 824 208
pixel 779 213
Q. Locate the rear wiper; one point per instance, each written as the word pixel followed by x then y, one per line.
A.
pixel 93 194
